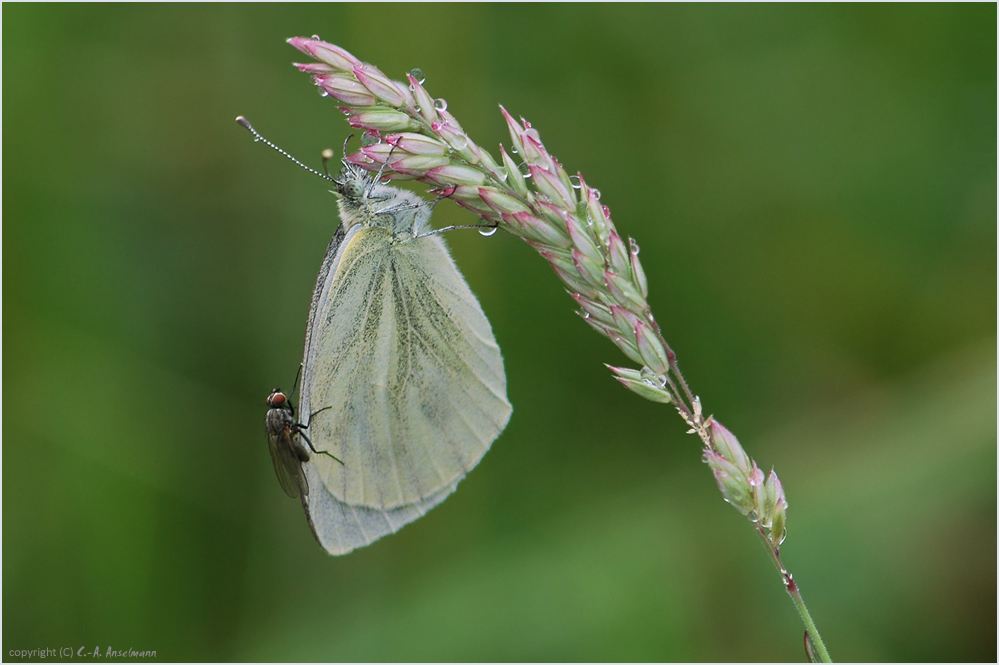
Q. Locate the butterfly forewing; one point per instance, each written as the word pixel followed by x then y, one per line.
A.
pixel 405 357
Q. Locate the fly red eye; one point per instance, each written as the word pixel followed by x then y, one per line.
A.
pixel 279 399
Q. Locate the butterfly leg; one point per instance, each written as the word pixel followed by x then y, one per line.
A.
pixel 480 227
pixel 445 193
pixel 381 171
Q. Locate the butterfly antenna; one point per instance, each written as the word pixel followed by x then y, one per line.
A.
pixel 327 155
pixel 257 137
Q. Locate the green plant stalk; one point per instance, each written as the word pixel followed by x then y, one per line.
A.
pixel 811 630
pixel 528 194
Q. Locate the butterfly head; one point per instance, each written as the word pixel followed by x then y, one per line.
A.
pixel 365 199
pixel 353 182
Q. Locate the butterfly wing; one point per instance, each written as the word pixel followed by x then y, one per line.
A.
pixel 340 527
pixel 329 260
pixel 401 351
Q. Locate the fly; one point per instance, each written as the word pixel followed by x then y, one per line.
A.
pixel 284 437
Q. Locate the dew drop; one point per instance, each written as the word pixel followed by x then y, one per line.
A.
pixel 316 37
pixel 417 74
pixel 370 137
pixel 323 93
pixel 753 517
pixel 501 174
pixel 634 246
pixel 525 170
pixel 488 231
pixel 783 535
pixel 459 142
pixel 346 111
pixel 440 104
pixel 596 193
pixel 533 133
pixel 574 179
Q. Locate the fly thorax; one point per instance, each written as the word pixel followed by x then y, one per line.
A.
pixel 279 419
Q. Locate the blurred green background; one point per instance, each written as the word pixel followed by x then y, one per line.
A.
pixel 814 191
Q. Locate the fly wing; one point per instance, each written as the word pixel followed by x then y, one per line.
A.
pixel 401 351
pixel 286 465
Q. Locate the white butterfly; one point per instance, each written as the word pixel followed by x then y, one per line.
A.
pixel 401 371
